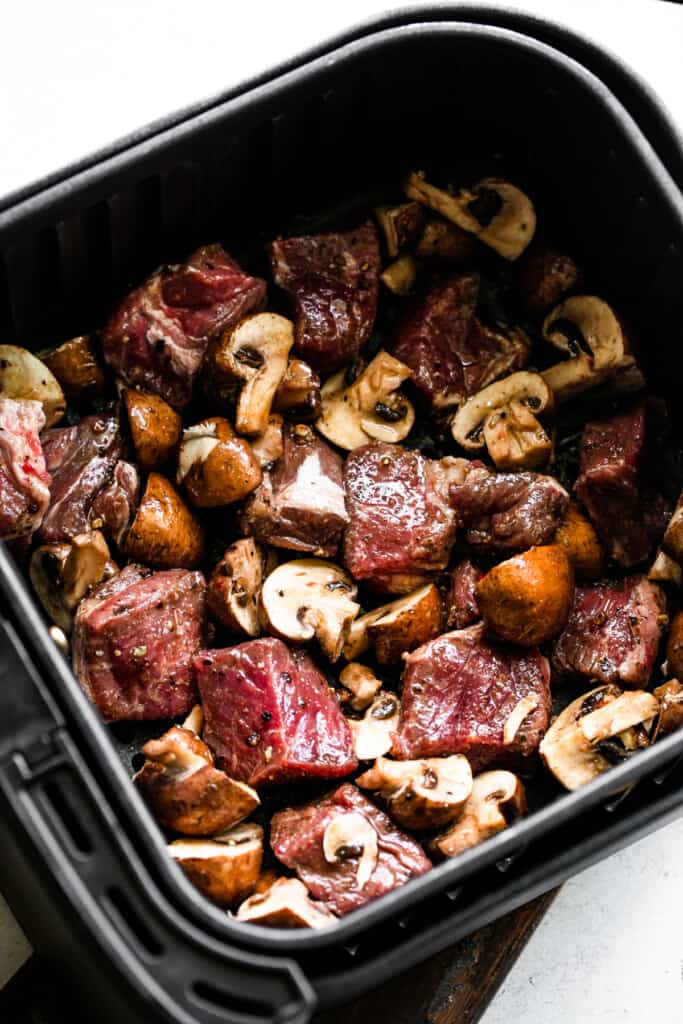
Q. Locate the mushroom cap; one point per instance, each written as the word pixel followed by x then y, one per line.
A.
pixel 62 574
pixel 586 324
pixel 155 428
pixel 497 798
pixel 306 598
pixel 525 387
pixel 165 533
pixel 233 592
pixel 215 466
pixel 298 393
pixel 373 734
pixel 286 904
pixel 25 377
pixel 674 646
pixel 670 697
pixel 424 794
pixel 577 535
pixel 226 867
pixel 398 627
pixel 76 367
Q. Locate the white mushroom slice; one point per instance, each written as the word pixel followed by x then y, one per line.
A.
pixel 497 212
pixel 62 574
pixel 519 713
pixel 362 683
pixel 588 736
pixel 373 733
pixel 665 570
pixel 308 598
pixel 398 627
pixel 23 376
pixel 195 720
pixel 235 586
pixel 351 837
pixel 370 408
pixel 286 904
pixel 269 446
pixel 226 867
pixel 399 276
pixel 502 417
pixel 497 799
pixel 423 794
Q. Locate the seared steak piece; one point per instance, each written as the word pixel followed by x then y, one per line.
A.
pixel 401 522
pixel 461 691
pixel 451 352
pixel 332 280
pixel 629 517
pixel 92 488
pixel 613 633
pixel 299 504
pixel 345 850
pixel 460 603
pixel 157 336
pixel 269 715
pixel 134 639
pixel 507 512
pixel 24 479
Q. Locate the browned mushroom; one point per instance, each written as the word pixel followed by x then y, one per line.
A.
pixel 164 533
pixel 215 466
pixel 421 795
pixel 497 799
pixel 76 366
pixel 234 588
pixel 397 628
pixel 298 393
pixel 155 428
pixel 62 574
pixel 286 904
pixel 226 867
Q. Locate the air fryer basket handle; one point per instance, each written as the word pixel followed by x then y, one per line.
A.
pixel 66 855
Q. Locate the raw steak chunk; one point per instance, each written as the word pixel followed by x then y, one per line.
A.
pixel 299 504
pixel 269 715
pixel 157 336
pixel 507 512
pixel 628 515
pixel 134 639
pixel 451 352
pixel 613 633
pixel 461 599
pixel 91 487
pixel 460 690
pixel 24 479
pixel 332 280
pixel 297 835
pixel 401 521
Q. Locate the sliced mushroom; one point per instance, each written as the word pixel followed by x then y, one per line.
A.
pixel 596 731
pixel 665 571
pixel 164 533
pixel 25 377
pixel 502 417
pixel 194 722
pixel 350 836
pixel 298 393
pixel 362 685
pixel 226 867
pixel 250 358
pixel 62 574
pixel 497 212
pixel 308 598
pixel 155 428
pixel 497 799
pixel 270 445
pixel 589 333
pixel 184 790
pixel 215 466
pixel 398 627
pixel 286 904
pixel 442 240
pixel 76 366
pixel 424 794
pixel 400 226
pixel 373 733
pixel 670 697
pixel 234 589
pixel 399 276
pixel 369 407
pixel 672 541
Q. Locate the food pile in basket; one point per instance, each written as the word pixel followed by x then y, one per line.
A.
pixel 350 528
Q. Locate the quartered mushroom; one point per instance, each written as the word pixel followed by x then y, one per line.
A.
pixel 400 226
pixel 62 574
pixel 369 406
pixel 286 904
pixel 215 466
pixel 503 418
pixel 185 791
pixel 25 377
pixel 298 393
pixel 361 686
pixel 670 697
pixel 399 276
pixel 226 867
pixel 665 570
pixel 494 210
pixel 590 335
pixel 350 836
pixel 76 366
pixel 423 794
pixel 597 730
pixel 269 446
pixel 578 537
pixel 234 589
pixel 373 733
pixel 155 428
pixel 250 359
pixel 164 533
pixel 497 799
pixel 307 598
pixel 396 629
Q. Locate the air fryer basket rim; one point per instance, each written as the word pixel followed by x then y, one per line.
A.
pixel 449 874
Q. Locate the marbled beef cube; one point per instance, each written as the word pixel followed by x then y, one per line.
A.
pixel 24 478
pixel 463 693
pixel 299 504
pixel 460 602
pixel 401 524
pixel 332 280
pixel 157 336
pixel 134 639
pixel 269 715
pixel 381 858
pixel 613 633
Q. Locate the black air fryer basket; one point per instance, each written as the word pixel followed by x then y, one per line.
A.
pixel 468 91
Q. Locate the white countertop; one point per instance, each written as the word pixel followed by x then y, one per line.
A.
pixel 76 75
